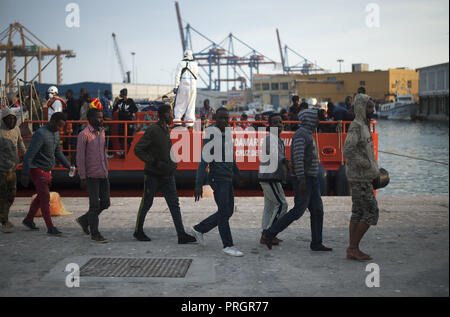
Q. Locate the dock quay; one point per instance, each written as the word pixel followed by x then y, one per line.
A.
pixel 410 245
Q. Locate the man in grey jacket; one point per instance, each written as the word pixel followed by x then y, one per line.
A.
pixel 38 163
pixel 361 170
pixel 10 142
pixel 306 183
pixel 272 173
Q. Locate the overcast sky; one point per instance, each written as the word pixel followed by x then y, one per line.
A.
pixel 410 33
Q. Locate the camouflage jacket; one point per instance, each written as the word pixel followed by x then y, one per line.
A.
pixel 361 165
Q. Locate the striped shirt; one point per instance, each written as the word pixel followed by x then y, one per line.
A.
pixel 304 151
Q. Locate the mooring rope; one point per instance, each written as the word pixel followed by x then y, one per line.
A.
pixel 412 157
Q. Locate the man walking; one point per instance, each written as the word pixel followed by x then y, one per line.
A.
pixel 361 170
pixel 221 181
pixel 306 183
pixel 186 89
pixel 154 148
pixel 38 163
pixel 93 171
pixel 272 173
pixel 10 142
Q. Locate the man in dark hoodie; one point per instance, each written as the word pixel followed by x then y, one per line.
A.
pixel 222 167
pixel 361 170
pixel 154 148
pixel 10 142
pixel 306 183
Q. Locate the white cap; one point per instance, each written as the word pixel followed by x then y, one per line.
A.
pixel 52 90
pixel 188 55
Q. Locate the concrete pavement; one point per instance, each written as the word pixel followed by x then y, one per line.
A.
pixel 410 245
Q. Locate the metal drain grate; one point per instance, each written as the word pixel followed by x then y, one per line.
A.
pixel 135 267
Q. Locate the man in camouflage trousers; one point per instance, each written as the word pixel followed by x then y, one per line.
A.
pixel 10 142
pixel 361 170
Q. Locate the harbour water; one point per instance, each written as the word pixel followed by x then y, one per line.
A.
pixel 410 177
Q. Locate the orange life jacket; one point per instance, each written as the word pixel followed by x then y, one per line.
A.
pixel 50 103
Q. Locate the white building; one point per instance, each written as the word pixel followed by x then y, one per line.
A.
pixel 433 92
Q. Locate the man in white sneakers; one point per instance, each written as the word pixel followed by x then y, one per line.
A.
pixel 220 177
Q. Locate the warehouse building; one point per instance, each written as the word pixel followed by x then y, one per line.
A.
pixel 433 92
pixel 381 85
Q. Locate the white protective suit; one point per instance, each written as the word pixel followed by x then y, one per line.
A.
pixel 187 89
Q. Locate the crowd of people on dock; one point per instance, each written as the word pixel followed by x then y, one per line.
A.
pixel 154 148
pixel 216 168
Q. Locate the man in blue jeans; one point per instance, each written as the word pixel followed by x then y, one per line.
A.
pixel 222 167
pixel 306 183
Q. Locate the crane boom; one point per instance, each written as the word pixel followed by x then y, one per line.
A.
pixel 180 26
pixel 125 75
pixel 281 51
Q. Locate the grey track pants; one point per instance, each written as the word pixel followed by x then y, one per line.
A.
pixel 275 205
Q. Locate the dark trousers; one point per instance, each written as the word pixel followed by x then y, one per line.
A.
pixel 153 184
pixel 73 142
pixel 8 183
pixel 130 133
pixel 99 200
pixel 311 200
pixel 224 197
pixel 108 134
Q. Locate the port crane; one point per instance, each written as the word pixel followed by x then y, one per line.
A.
pixel 126 78
pixel 30 47
pixel 305 66
pixel 218 55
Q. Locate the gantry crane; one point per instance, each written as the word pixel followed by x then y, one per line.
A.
pixel 218 55
pixel 30 46
pixel 125 75
pixel 305 66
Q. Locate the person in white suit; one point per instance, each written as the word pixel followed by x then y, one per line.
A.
pixel 186 89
